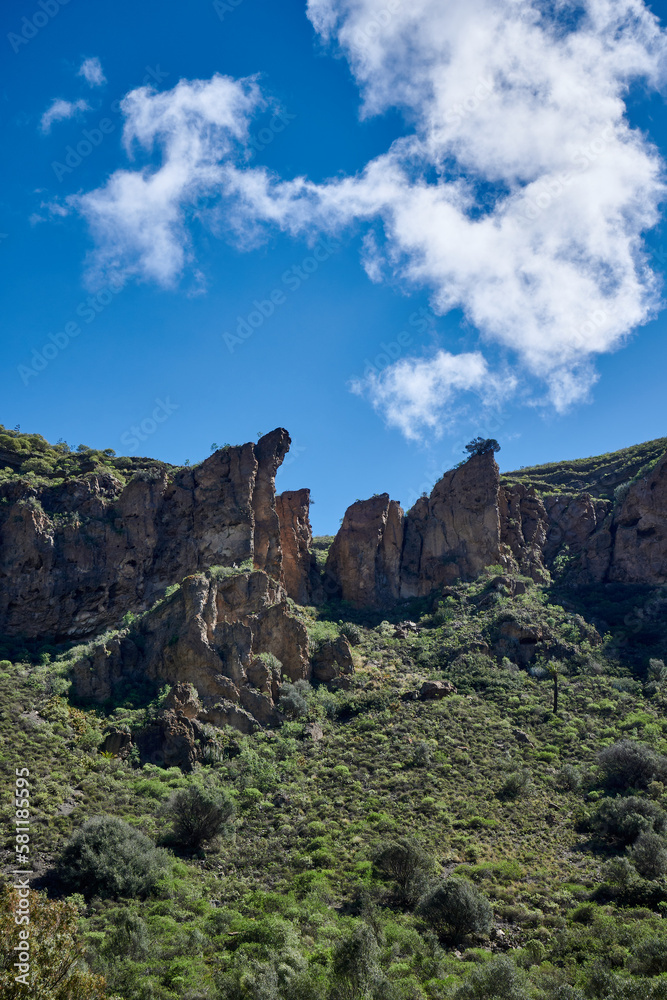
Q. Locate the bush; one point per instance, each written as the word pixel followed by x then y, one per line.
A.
pixel 629 764
pixel 40 466
pixel 515 784
pixel 198 815
pixel 624 819
pixel 650 956
pixel 498 979
pixel 407 864
pixel 354 965
pixel 352 633
pixel 649 855
pixel 292 699
pixel 456 908
pixel 57 970
pixel 109 858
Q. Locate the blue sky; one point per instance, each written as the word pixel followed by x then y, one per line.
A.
pixel 456 350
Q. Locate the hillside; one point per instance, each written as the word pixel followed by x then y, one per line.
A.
pixel 235 795
pixel 600 475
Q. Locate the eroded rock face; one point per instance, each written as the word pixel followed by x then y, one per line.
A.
pixel 300 576
pixel 205 639
pixel 74 558
pixel 364 561
pixel 472 520
pixel 454 533
pixel 639 550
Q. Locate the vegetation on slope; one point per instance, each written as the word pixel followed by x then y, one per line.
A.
pixel 600 475
pixel 472 848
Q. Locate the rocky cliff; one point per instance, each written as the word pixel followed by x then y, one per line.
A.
pixel 76 555
pixel 474 519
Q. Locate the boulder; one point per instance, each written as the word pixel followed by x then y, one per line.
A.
pixel 332 660
pixel 434 690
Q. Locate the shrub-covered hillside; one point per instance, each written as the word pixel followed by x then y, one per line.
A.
pixel 600 475
pixel 461 840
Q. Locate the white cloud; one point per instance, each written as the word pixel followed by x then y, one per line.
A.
pixel 533 224
pixel 59 110
pixel 521 196
pixel 91 70
pixel 138 219
pixel 416 395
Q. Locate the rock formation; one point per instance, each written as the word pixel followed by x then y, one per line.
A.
pixel 75 557
pixel 209 634
pixel 363 564
pixel 472 519
pixel 300 575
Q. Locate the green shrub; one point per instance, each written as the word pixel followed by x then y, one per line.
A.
pixel 498 979
pixel 515 785
pixel 198 815
pixel 629 764
pixel 649 855
pixel 456 908
pixel 405 862
pixel 623 819
pixel 650 956
pixel 107 857
pixel 40 466
pixel 352 633
pixel 293 699
pixel 354 964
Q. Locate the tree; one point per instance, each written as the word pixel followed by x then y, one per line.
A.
pixel 198 815
pixel 57 970
pixel 482 446
pixel 456 908
pixel 407 864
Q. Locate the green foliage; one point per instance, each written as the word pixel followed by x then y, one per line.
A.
pixel 107 857
pixel 407 865
pixel 631 765
pixel 294 699
pixel 515 785
pixel 354 964
pixel 649 855
pixel 456 908
pixel 482 446
pixel 499 979
pixel 623 819
pixel 198 815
